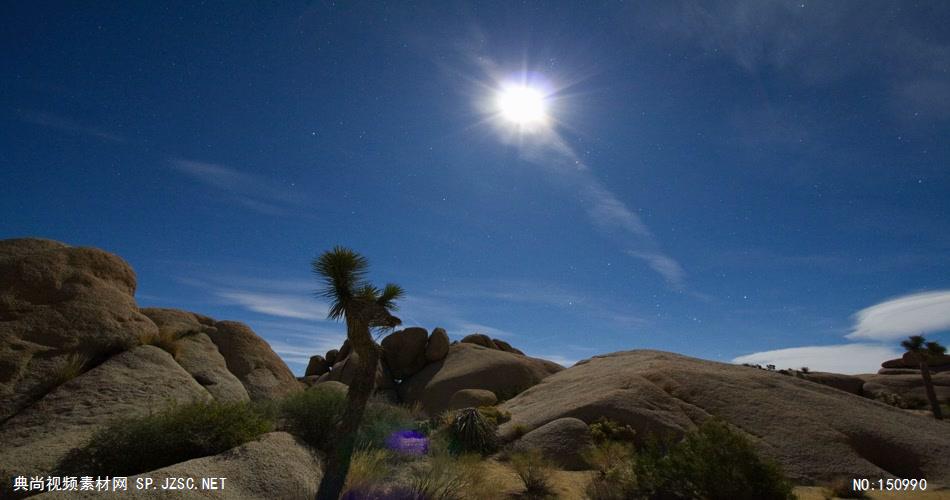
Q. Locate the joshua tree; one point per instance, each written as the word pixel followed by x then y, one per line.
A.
pixel 363 307
pixel 922 351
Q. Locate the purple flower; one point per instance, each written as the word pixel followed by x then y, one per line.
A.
pixel 408 442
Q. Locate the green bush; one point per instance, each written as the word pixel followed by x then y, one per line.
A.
pixel 314 414
pixel 605 429
pixel 470 432
pixel 131 446
pixel 614 462
pixel 711 463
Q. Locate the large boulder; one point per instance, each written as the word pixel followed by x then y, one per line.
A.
pixel 562 441
pixel 846 383
pixel 273 466
pixel 405 351
pixel 264 375
pixel 909 361
pixel 143 380
pixel 60 303
pixel 197 354
pixel 501 345
pixel 469 366
pixel 815 432
pixel 471 398
pixel 910 387
pixel 438 345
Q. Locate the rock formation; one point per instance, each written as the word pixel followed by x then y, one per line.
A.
pixel 815 432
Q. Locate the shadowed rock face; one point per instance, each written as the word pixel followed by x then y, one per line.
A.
pixel 253 362
pixel 273 466
pixel 130 384
pixel 815 432
pixel 197 354
pixel 59 302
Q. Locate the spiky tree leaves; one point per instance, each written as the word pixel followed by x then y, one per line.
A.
pixel 923 351
pixel 364 307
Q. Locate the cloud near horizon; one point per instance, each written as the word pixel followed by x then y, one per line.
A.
pixel 916 314
pixel 876 327
pixel 843 358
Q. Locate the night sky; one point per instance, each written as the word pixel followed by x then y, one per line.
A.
pixel 719 180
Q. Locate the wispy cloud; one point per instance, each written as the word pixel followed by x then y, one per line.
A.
pixel 280 305
pixel 69 125
pixel 256 192
pixel 816 43
pixel 671 270
pixel 844 358
pixel 914 314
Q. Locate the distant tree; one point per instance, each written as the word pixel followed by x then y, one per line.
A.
pixel 922 352
pixel 363 307
pixel 805 369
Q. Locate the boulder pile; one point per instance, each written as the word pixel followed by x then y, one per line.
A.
pixel 76 352
pixel 418 367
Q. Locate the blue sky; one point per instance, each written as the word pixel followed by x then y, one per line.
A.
pixel 724 180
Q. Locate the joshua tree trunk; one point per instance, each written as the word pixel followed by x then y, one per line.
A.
pixel 343 442
pixel 929 387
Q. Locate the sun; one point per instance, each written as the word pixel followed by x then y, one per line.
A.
pixel 521 105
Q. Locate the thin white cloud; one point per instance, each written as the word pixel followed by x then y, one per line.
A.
pixel 279 305
pixel 671 271
pixel 844 358
pixel 915 314
pixel 65 124
pixel 259 193
pixel 465 328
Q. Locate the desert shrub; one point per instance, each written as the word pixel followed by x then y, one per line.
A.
pixel 714 462
pixel 534 472
pixel 889 398
pixel 611 459
pixel 494 415
pixel 314 414
pixel 380 421
pixel 368 471
pixel 164 340
pixel 446 477
pixel 130 446
pixel 519 431
pixel 842 488
pixel 606 429
pixel 470 432
pixel 614 462
pixel 70 366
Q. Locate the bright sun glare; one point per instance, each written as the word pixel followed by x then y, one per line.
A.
pixel 522 105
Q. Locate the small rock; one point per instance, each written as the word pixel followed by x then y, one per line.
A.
pixel 479 339
pixel 471 398
pixel 562 441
